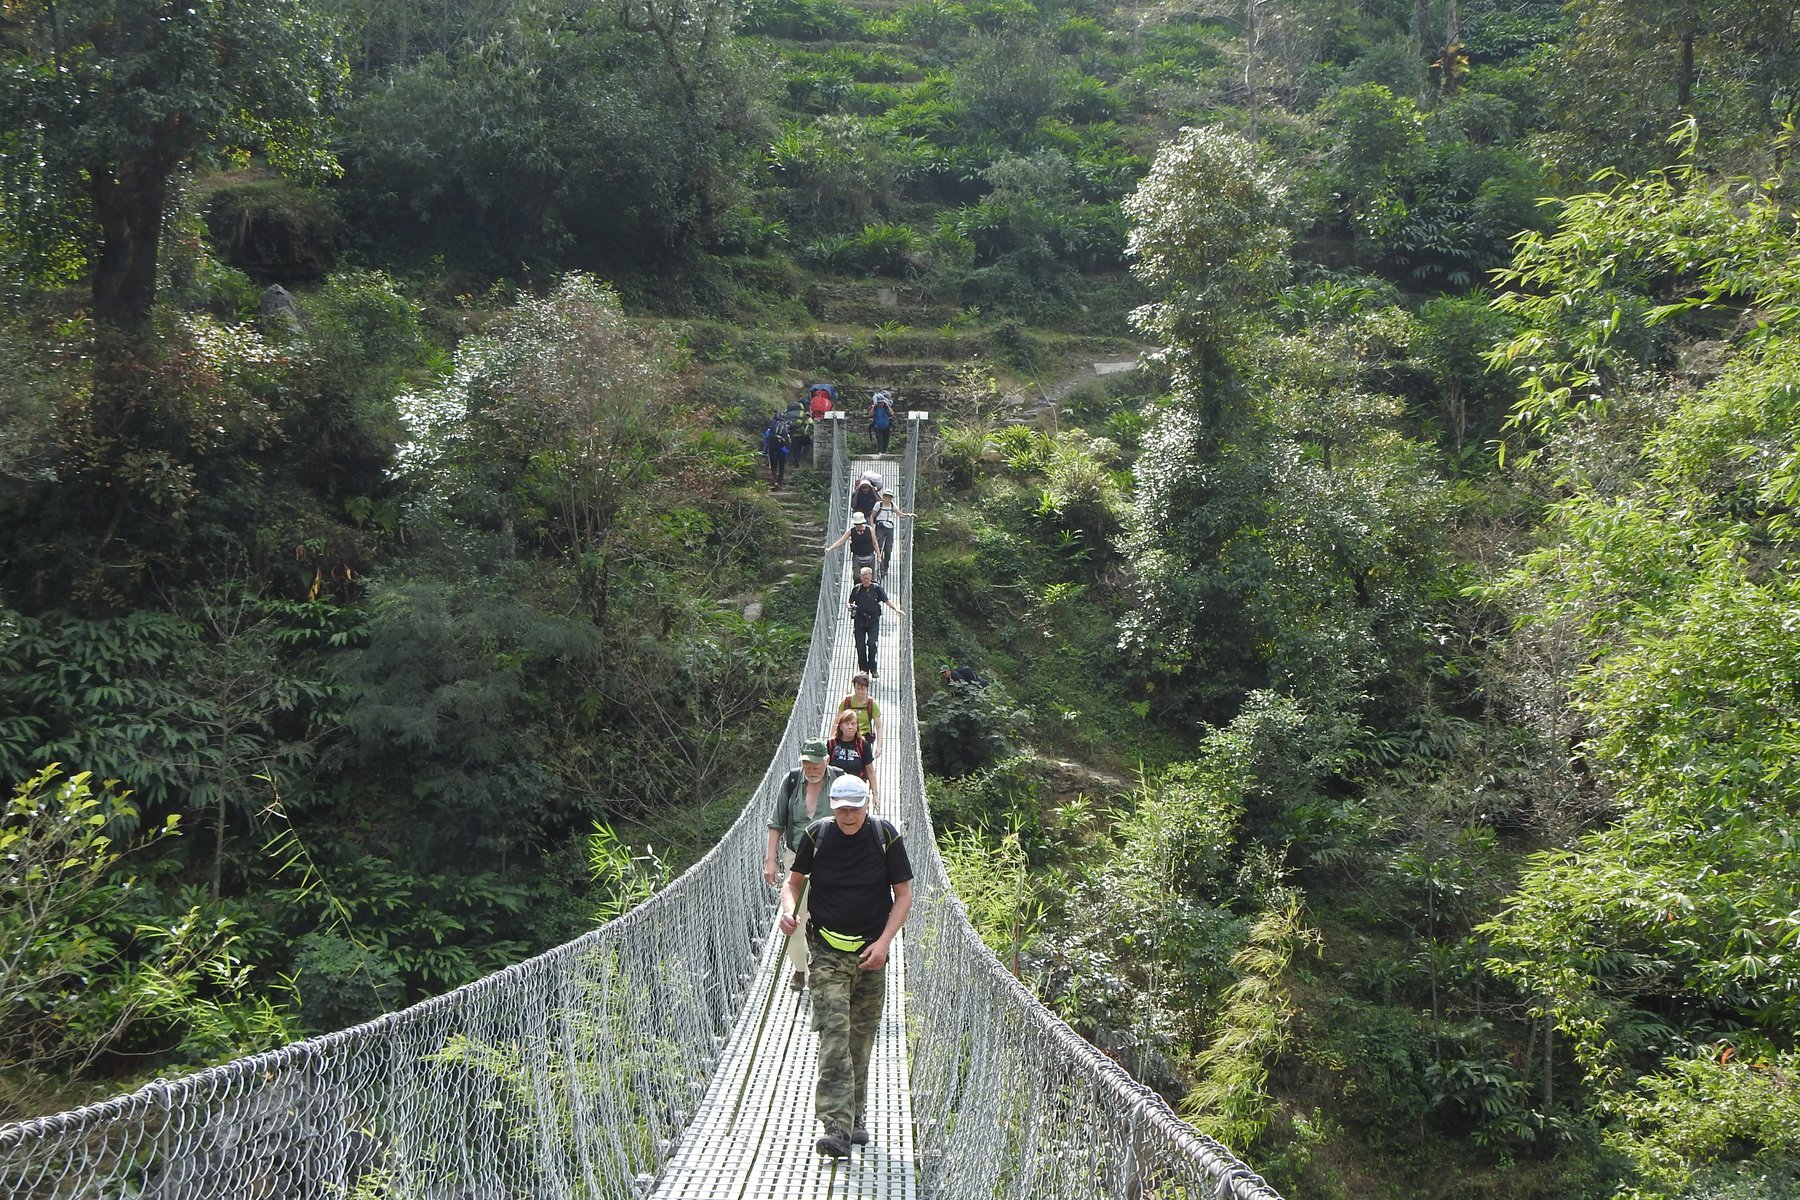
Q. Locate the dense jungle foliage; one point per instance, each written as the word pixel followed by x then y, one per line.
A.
pixel 1389 752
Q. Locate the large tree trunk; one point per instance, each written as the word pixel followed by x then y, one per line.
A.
pixel 129 201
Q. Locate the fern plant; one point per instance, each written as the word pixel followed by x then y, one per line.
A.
pixel 1231 1099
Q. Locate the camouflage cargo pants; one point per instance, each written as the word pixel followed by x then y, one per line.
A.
pixel 846 1009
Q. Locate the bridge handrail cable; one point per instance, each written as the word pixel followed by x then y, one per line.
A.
pixel 1008 1101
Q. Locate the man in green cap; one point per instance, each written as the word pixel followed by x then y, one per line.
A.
pixel 799 801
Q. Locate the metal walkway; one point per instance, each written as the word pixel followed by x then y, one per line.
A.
pixel 752 1136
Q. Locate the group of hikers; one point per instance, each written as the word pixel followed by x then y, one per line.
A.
pixel 871 537
pixel 843 871
pixel 789 433
pixel 848 885
pixel 873 513
pixel 847 893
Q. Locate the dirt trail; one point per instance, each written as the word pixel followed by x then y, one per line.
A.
pixel 1030 405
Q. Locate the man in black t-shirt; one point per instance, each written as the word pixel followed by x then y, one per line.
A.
pixel 866 599
pixel 860 882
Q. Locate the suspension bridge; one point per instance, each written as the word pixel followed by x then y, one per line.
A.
pixel 663 1055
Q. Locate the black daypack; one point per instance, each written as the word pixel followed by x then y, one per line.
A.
pixel 865 602
pixel 781 431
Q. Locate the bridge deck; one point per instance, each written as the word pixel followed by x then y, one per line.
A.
pixel 752 1137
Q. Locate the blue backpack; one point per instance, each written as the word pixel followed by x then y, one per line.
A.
pixel 884 411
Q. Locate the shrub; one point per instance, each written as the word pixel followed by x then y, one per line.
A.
pixel 1086 99
pixel 1006 795
pixel 95 956
pixel 742 230
pixel 837 169
pixel 804 20
pixel 966 727
pixel 927 21
pixel 884 249
pixel 276 228
pixel 1080 492
pixel 880 249
pixel 1077 34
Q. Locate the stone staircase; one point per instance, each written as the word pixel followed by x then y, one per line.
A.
pixel 806 534
pixel 800 506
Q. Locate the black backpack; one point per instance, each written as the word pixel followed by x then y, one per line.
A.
pixel 781 431
pixel 890 833
pixel 865 603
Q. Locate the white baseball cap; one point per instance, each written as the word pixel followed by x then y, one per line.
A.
pixel 847 791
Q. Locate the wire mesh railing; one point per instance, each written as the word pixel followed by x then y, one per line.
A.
pixel 570 1074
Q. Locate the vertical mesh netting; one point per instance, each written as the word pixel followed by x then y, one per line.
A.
pixel 1008 1101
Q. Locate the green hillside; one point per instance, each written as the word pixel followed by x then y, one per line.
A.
pixel 1387 747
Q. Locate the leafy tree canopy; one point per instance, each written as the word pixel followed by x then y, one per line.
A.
pixel 1662 943
pixel 105 100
